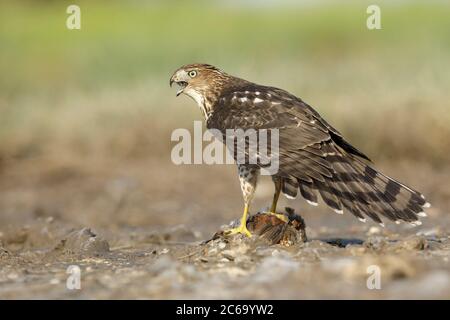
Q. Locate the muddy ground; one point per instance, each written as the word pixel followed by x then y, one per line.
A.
pixel 137 229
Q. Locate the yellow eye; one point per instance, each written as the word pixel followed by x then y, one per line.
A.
pixel 192 73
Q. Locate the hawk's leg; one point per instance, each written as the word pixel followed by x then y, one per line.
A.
pixel 243 226
pixel 277 181
pixel 248 177
pixel 273 209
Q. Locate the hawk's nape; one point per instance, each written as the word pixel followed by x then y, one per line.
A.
pixel 313 158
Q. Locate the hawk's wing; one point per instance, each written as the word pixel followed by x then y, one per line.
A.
pixel 314 156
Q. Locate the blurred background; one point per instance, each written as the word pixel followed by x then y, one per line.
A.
pixel 86 115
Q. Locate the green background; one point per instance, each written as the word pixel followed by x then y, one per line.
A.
pixel 103 90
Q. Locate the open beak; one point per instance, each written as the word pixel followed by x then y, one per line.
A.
pixel 181 84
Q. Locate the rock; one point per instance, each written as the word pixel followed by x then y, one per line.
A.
pixel 374 230
pixel 376 243
pixel 412 243
pixel 227 256
pixel 83 242
pixel 222 245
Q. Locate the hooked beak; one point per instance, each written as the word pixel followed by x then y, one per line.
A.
pixel 180 83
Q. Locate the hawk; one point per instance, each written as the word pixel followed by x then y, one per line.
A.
pixel 314 158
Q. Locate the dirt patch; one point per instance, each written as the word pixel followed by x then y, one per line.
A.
pixel 138 236
pixel 163 264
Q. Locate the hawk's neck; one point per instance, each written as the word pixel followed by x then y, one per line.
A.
pixel 208 98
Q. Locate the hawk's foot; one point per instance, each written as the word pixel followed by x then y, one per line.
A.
pixel 280 216
pixel 242 229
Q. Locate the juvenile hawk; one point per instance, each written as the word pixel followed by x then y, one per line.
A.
pixel 313 156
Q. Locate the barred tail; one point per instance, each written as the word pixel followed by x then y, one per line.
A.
pixel 361 189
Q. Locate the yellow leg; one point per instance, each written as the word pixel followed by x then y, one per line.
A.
pixel 273 208
pixel 243 226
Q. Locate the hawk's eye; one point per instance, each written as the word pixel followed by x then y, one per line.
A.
pixel 192 73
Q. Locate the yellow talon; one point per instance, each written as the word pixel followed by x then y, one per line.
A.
pixel 242 229
pixel 273 208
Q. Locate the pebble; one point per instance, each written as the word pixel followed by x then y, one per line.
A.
pixel 222 245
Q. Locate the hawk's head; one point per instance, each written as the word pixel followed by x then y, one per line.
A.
pixel 196 78
pixel 201 82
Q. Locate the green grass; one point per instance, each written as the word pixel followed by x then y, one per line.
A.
pixel 103 88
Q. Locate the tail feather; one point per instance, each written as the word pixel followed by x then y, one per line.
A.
pixel 329 195
pixel 289 187
pixel 405 203
pixel 308 191
pixel 363 190
pixel 353 208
